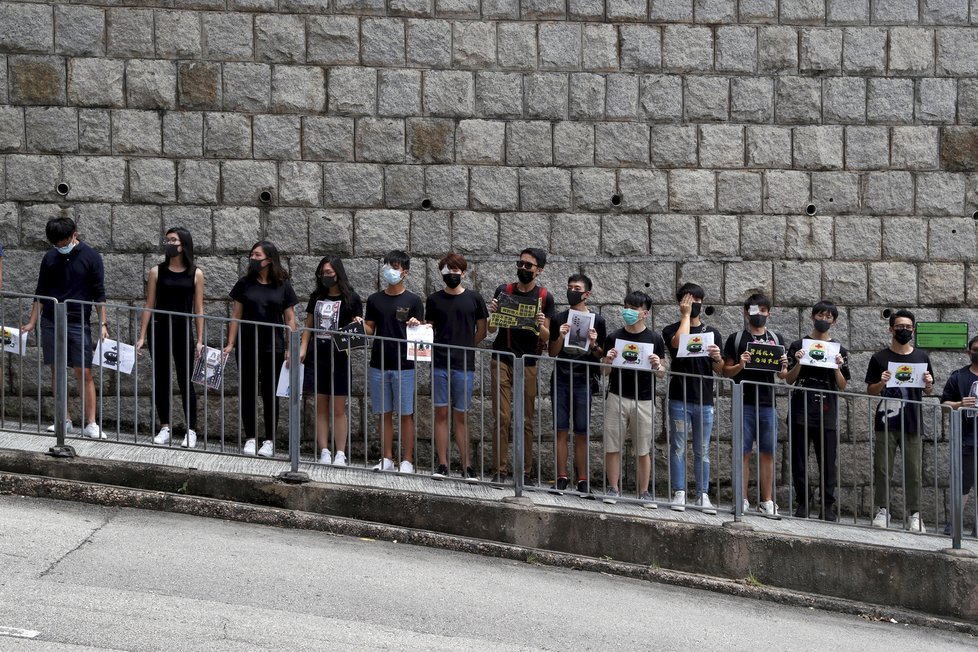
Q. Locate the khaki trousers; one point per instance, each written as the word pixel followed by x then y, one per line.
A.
pixel 502 401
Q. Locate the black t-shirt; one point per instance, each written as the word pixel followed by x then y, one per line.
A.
pixel 454 317
pixel 697 390
pixel 390 315
pixel 753 394
pixel 348 310
pixel 822 409
pixel 265 303
pixel 958 386
pixel 632 383
pixel 893 415
pixel 580 371
pixel 517 341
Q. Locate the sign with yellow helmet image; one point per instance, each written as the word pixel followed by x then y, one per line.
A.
pixel 819 353
pixel 633 355
pixel 14 341
pixel 903 374
pixel 694 345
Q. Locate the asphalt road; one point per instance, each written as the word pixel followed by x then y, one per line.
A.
pixel 87 577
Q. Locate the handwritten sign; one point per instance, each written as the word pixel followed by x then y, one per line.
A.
pixel 764 357
pixel 694 345
pixel 351 337
pixel 819 353
pixel 517 312
pixel 906 375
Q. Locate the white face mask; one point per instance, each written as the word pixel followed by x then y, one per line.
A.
pixel 65 250
pixel 391 275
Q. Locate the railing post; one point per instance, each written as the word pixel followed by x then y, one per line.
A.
pixel 293 475
pixel 61 449
pixel 519 417
pixel 737 456
pixel 957 469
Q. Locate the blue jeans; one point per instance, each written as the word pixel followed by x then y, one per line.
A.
pixel 760 422
pixel 461 386
pixel 684 417
pixel 391 390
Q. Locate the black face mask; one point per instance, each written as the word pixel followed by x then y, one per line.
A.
pixel 452 281
pixel 574 297
pixel 903 336
pixel 254 267
pixel 171 250
pixel 694 310
pixel 757 320
pixel 822 325
pixel 974 357
pixel 326 282
pixel 524 275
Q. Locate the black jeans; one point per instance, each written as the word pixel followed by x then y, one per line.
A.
pixel 826 444
pixel 259 371
pixel 171 337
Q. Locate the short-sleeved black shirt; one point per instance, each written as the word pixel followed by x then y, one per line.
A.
pixel 893 415
pixel 455 318
pixel 958 386
pixel 822 410
pixel 264 303
pixel 630 383
pixel 753 394
pixel 580 371
pixel 697 390
pixel 516 341
pixel 390 315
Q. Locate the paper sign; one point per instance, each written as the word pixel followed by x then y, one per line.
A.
pixel 633 355
pixel 694 345
pixel 514 311
pixel 764 357
pixel 209 368
pixel 580 324
pixel 14 341
pixel 111 354
pixel 419 340
pixel 819 353
pixel 282 390
pixel 327 318
pixel 906 375
pixel 351 337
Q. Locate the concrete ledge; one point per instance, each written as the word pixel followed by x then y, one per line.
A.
pixel 917 581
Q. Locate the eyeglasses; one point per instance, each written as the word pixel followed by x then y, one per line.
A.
pixel 522 264
pixel 173 241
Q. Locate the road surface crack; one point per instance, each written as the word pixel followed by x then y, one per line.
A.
pixel 88 539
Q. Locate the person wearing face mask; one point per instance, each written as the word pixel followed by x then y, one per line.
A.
pixel 760 417
pixel 176 286
pixel 71 270
pixel 628 406
pixel 332 305
pixel 265 295
pixel 898 423
pixel 392 376
pixel 519 342
pixel 813 415
pixel 691 399
pixel 458 316
pixel 571 388
pixel 961 393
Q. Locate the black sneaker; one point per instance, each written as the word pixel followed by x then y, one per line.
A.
pixel 440 472
pixel 529 480
pixel 582 487
pixel 562 484
pixel 947 528
pixel 801 511
pixel 499 478
pixel 470 474
pixel 830 514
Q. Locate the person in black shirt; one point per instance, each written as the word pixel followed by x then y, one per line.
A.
pixel 571 389
pixel 519 342
pixel 813 415
pixel 392 376
pixel 262 295
pixel 332 305
pixel 458 316
pixel 628 407
pixel 691 397
pixel 961 393
pixel 897 423
pixel 71 270
pixel 760 417
pixel 175 286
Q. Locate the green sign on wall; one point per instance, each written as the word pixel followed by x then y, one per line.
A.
pixel 942 335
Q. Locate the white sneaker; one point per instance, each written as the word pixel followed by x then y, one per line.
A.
pixel 705 503
pixel 406 467
pixel 325 457
pixel 340 459
pixel 916 525
pixel 266 448
pixel 882 519
pixel 92 431
pixel 189 440
pixel 768 508
pixel 249 447
pixel 385 464
pixel 163 436
pixel 68 427
pixel 746 505
pixel 678 502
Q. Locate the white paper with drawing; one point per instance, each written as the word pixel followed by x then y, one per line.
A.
pixel 906 375
pixel 633 355
pixel 14 341
pixel 819 353
pixel 111 354
pixel 578 335
pixel 694 345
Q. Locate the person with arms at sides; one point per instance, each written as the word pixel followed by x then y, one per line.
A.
pixel 814 416
pixel 458 316
pixel 71 270
pixel 265 295
pixel 691 398
pixel 332 305
pixel 392 375
pixel 176 286
pixel 898 423
pixel 760 416
pixel 628 407
pixel 571 390
pixel 961 392
pixel 519 342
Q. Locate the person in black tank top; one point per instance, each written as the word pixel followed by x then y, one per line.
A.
pixel 174 291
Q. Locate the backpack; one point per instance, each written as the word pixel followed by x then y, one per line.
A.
pixel 541 345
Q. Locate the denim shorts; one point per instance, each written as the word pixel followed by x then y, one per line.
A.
pixel 581 401
pixel 79 343
pixel 462 384
pixel 391 387
pixel 761 421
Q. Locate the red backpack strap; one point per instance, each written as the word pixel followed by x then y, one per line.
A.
pixel 509 288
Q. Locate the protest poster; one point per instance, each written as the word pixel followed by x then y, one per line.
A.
pixel 580 324
pixel 283 387
pixel 209 368
pixel 633 355
pixel 350 337
pixel 14 341
pixel 112 354
pixel 764 356
pixel 327 318
pixel 906 374
pixel 517 312
pixel 694 345
pixel 819 353
pixel 419 341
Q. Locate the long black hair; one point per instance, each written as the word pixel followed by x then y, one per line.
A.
pixel 277 274
pixel 187 242
pixel 342 280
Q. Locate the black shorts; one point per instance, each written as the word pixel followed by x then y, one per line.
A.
pixel 327 370
pixel 968 465
pixel 79 343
